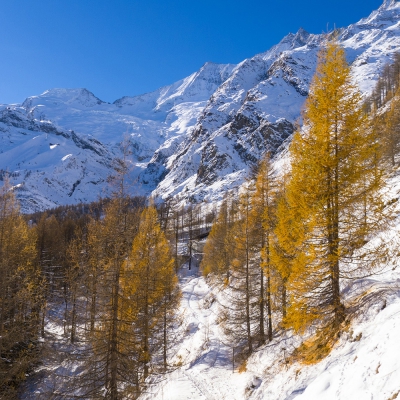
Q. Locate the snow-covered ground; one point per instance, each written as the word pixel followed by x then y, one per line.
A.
pixel 51 379
pixel 207 370
pixel 364 364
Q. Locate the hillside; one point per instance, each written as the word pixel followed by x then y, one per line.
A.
pixel 363 363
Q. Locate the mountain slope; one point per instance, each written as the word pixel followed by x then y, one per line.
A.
pixel 152 124
pixel 363 363
pixel 48 165
pixel 255 110
pixel 200 136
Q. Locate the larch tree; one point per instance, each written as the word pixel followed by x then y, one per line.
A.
pixel 334 189
pixel 263 219
pixel 240 311
pixel 149 279
pixel 286 252
pixel 391 128
pixel 112 357
pixel 94 267
pixel 20 294
pixel 218 250
pixel 119 228
pixel 74 272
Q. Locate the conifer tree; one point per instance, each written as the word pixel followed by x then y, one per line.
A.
pixel 20 297
pixel 287 244
pixel 112 366
pixel 149 277
pixel 263 219
pixel 117 238
pixel 133 299
pixel 240 311
pixel 334 190
pixel 391 128
pixel 73 276
pixel 95 267
pixel 218 250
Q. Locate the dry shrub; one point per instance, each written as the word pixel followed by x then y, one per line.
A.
pixel 315 349
pixel 243 367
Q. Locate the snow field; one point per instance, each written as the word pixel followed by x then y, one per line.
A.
pixel 364 364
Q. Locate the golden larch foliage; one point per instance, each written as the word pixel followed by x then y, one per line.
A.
pixel 333 196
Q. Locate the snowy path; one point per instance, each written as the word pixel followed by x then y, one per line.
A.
pixel 206 373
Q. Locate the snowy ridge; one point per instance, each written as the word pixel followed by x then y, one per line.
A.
pixel 255 109
pixel 48 165
pixel 198 137
pixel 154 124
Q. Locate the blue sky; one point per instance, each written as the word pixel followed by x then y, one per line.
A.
pixel 118 48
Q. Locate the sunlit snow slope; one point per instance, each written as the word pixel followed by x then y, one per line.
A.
pixel 363 365
pixel 84 135
pixel 255 109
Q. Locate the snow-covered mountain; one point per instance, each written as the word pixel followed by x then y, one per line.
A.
pixel 193 139
pixel 255 109
pixel 59 147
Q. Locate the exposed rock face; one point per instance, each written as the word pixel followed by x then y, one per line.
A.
pixel 257 107
pixel 193 139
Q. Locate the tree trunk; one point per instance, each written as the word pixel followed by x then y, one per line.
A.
pixel 114 339
pixel 248 317
pixel 165 339
pixel 73 317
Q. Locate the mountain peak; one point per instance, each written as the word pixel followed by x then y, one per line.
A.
pixel 387 13
pixel 210 69
pixel 65 96
pixel 301 36
pixel 389 4
pixel 297 39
